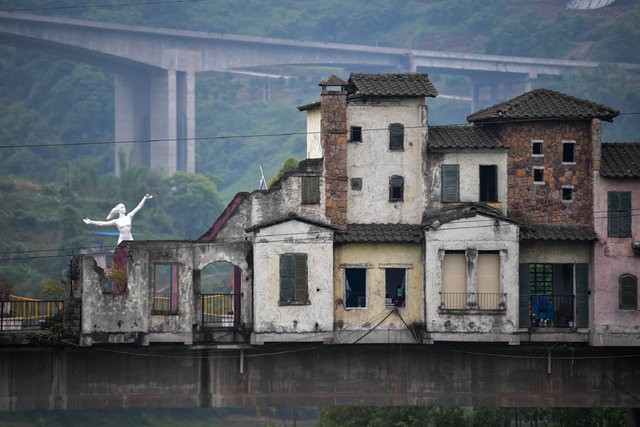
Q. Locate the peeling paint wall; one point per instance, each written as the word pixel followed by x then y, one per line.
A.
pixel 479 233
pixel 129 317
pixel 314 147
pixel 267 206
pixel 376 319
pixel 469 162
pixel 274 321
pixel 374 162
pixel 613 257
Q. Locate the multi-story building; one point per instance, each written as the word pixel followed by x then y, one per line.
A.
pixel 394 231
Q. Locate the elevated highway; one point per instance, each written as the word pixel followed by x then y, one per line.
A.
pixel 155 71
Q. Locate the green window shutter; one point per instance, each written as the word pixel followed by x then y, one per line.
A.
pixel 450 183
pixel 310 190
pixel 300 282
pixel 582 295
pixel 613 218
pixel 624 205
pixel 286 277
pixel 525 297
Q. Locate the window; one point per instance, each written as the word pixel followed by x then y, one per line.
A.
pixel 568 150
pixel 165 297
pixel 355 287
pixel 356 184
pixel 536 148
pixel 628 292
pixel 567 193
pixel 488 183
pixel 454 280
pixel 450 183
pixel 395 286
pixel 293 279
pixel 619 213
pixel 310 190
pixel 538 175
pixel 356 134
pixel 488 271
pixel 396 136
pixel 396 188
pixel 541 279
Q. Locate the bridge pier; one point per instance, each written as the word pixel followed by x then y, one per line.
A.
pixel 155 114
pixel 488 89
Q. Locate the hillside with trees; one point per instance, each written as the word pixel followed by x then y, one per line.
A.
pixel 56 116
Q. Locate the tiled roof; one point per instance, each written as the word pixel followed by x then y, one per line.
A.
pixel 543 104
pixel 457 137
pixel 434 220
pixel 620 160
pixel 558 232
pixel 407 84
pixel 380 233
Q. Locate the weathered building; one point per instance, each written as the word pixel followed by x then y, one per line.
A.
pixel 616 315
pixel 392 231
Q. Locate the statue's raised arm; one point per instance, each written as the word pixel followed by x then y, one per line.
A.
pixel 123 222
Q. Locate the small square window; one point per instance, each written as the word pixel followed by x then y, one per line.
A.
pixel 567 194
pixel 536 148
pixel 356 184
pixel 356 134
pixel 568 151
pixel 538 175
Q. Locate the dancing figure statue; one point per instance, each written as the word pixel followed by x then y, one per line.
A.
pixel 123 222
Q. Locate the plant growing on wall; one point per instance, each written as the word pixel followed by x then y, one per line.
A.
pixel 117 276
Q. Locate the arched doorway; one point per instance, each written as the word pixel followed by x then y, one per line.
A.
pixel 221 291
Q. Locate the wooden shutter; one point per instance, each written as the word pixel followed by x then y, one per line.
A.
pixel 613 215
pixel 582 295
pixel 624 206
pixel 488 273
pixel 454 280
pixel 286 277
pixel 310 190
pixel 628 293
pixel 300 280
pixel 450 183
pixel 525 296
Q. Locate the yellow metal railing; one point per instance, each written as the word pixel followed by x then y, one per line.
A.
pixel 219 308
pixel 17 312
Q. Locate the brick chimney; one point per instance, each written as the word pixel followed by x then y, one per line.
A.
pixel 333 137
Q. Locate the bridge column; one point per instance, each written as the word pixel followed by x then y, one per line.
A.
pixel 132 117
pixel 156 110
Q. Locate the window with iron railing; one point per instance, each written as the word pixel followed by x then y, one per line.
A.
pixel 165 296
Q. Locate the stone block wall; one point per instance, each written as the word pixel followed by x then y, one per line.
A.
pixel 544 202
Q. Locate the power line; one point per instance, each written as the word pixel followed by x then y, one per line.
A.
pixel 93 6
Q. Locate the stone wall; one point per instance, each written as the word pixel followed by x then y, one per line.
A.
pixel 543 202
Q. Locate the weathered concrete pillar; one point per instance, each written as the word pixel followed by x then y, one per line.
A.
pixel 132 117
pixel 156 112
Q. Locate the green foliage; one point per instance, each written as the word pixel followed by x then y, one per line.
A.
pixel 288 165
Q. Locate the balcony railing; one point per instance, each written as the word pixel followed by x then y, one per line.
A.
pixel 165 303
pixel 18 312
pixel 472 302
pixel 221 310
pixel 552 311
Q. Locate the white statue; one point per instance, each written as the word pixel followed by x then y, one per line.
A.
pixel 123 222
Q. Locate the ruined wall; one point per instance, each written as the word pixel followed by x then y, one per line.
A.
pixel 543 202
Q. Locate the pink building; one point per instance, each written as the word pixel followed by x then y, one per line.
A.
pixel 616 190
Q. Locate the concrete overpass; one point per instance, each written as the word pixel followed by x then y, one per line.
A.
pixel 553 375
pixel 155 70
